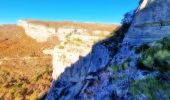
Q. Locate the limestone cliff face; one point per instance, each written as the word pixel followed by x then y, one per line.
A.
pixel 75 40
pixel 38 32
pixel 72 47
pixel 151 22
pixel 41 31
pixel 104 75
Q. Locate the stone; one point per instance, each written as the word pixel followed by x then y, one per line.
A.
pixel 76 46
pixel 74 78
pixel 90 76
pixel 75 41
pixel 42 31
pixel 151 22
pixel 86 65
pixel 100 58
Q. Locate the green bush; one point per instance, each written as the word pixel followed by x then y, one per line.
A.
pixel 155 56
pixel 115 68
pixel 152 88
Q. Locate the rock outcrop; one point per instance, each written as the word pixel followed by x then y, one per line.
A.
pixel 75 41
pixel 43 30
pixel 37 32
pixel 100 76
pixel 73 49
pixel 151 22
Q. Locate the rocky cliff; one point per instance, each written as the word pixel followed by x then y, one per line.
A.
pixel 43 30
pixel 38 32
pixel 72 47
pixel 151 22
pixel 139 70
pixel 75 39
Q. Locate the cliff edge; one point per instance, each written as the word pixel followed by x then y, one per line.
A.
pixel 135 68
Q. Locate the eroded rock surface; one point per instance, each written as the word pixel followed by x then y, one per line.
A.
pixel 74 46
pixel 75 77
pixel 151 22
pixel 93 61
pixel 43 30
pixel 100 76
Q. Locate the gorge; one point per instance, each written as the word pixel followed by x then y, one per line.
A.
pixel 89 61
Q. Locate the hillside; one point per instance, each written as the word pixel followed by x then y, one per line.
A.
pixel 88 26
pixel 25 63
pixel 23 66
pixel 13 42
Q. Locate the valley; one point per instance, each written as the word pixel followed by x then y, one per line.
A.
pixel 25 63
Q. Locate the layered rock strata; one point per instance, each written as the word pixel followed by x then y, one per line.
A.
pixel 151 22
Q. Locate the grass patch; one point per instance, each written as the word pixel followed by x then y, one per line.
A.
pixel 34 95
pixel 78 40
pixel 61 47
pixel 40 74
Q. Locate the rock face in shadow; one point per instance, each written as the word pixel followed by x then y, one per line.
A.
pixel 75 46
pixel 93 62
pixel 72 81
pixel 151 22
pixel 100 76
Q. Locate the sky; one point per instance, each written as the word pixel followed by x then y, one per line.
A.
pixel 97 11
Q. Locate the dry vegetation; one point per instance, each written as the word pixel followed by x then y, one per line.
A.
pixel 88 26
pixel 25 72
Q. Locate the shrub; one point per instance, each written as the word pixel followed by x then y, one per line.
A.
pixel 115 68
pixel 152 88
pixel 155 57
pixel 61 47
pixel 128 17
pixel 34 95
pixel 119 68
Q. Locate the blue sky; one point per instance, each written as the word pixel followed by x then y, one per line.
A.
pixel 98 11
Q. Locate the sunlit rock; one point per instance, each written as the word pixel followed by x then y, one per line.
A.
pixel 151 22
pixel 76 40
pixel 42 30
pixel 38 32
pixel 72 48
pixel 48 51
